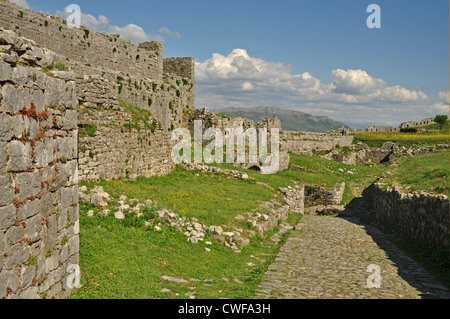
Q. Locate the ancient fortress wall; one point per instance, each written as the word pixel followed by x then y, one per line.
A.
pixel 306 142
pixel 38 178
pixel 107 69
pixel 83 45
pixel 421 218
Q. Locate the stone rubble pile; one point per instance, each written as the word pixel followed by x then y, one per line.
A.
pixel 363 154
pixel 216 170
pixel 233 237
pixel 14 49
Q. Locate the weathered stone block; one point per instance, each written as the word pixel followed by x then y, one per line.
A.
pixel 51 263
pixel 5 71
pixel 5 127
pixel 6 190
pixel 7 216
pixel 18 255
pixel 38 98
pixel 3 158
pixel 74 244
pixel 20 156
pixel 30 293
pixel 44 152
pixel 15 99
pixel 2 245
pixel 27 275
pixel 3 283
pixel 28 209
pixel 28 185
pixel 46 205
pixel 33 229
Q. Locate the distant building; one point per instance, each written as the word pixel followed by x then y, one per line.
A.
pixel 426 121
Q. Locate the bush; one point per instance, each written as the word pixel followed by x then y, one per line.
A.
pixel 408 130
pixel 88 130
pixel 441 120
pixel 60 65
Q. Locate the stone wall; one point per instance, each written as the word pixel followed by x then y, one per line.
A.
pixel 423 122
pixel 38 178
pixel 183 67
pixel 83 45
pixel 116 150
pixel 306 143
pixel 224 122
pixel 107 69
pixel 421 218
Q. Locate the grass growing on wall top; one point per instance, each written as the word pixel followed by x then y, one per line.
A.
pixel 138 116
pixel 376 139
pixel 429 172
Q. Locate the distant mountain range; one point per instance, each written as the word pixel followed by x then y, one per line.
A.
pixel 290 120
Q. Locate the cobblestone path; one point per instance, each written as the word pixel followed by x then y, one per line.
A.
pixel 328 258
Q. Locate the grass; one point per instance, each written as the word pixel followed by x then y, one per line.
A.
pixel 124 259
pixel 376 139
pixel 325 173
pixel 213 199
pixel 87 131
pixel 429 172
pixel 138 116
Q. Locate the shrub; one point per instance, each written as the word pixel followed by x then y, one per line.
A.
pixel 20 15
pixel 88 130
pixel 408 130
pixel 60 65
pixel 441 120
pixel 46 23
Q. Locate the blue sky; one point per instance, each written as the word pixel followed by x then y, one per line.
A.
pixel 317 57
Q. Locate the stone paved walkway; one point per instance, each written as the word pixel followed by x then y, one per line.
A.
pixel 328 259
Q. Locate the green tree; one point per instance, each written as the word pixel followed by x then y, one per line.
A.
pixel 441 120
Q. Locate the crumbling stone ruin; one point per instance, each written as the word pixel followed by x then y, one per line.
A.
pixel 381 128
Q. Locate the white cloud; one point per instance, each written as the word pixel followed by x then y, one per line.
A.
pixel 444 97
pixel 247 86
pixel 366 88
pixel 92 22
pixel 131 31
pixel 443 106
pixel 22 3
pixel 170 33
pixel 238 79
pixel 134 33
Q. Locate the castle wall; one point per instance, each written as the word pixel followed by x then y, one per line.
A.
pixel 107 69
pixel 306 142
pixel 38 180
pixel 421 218
pixel 116 151
pixel 83 45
